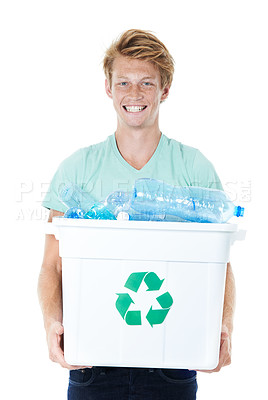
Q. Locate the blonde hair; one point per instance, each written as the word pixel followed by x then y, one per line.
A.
pixel 142 45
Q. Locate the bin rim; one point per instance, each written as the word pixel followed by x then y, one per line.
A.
pixel 61 221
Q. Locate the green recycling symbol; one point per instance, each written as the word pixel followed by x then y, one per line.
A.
pixel 124 301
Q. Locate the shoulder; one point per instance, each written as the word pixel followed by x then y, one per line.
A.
pixel 82 155
pixel 72 159
pixel 97 150
pixel 75 169
pixel 199 168
pixel 187 153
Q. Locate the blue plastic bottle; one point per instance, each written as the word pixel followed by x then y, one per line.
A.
pixel 195 204
pixel 74 212
pixel 81 205
pixel 99 211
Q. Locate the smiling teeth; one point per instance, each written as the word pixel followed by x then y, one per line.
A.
pixel 135 108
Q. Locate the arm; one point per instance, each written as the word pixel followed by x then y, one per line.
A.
pixel 227 320
pixel 229 300
pixel 50 297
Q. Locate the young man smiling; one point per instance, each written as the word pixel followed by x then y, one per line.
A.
pixel 139 72
pixel 136 91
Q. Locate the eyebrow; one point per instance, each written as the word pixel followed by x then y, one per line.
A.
pixel 145 77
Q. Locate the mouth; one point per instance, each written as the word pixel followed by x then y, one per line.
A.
pixel 134 109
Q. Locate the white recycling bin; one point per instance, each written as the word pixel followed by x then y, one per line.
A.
pixel 143 294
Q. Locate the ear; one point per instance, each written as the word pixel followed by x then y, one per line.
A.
pixel 165 93
pixel 108 90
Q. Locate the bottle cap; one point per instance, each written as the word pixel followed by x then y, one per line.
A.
pixel 239 211
pixel 123 216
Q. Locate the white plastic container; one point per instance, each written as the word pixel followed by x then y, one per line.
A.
pixel 175 280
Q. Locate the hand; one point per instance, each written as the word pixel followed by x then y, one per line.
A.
pixel 225 351
pixel 55 346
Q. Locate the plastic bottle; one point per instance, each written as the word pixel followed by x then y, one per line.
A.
pixel 118 201
pixel 73 196
pixel 74 212
pixel 195 204
pixel 81 204
pixel 99 211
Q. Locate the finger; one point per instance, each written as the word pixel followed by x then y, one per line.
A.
pixel 208 371
pixel 224 335
pixel 58 357
pixel 59 329
pixel 224 354
pixel 224 339
pixel 224 329
pixel 56 352
pixel 61 360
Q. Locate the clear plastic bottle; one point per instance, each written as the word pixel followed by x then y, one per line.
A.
pixel 118 201
pixel 73 196
pixel 195 204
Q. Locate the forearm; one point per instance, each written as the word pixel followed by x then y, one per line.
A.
pixel 50 294
pixel 229 300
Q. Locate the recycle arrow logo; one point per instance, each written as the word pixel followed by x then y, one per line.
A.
pixel 153 283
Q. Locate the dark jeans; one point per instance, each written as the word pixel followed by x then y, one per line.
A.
pixel 99 383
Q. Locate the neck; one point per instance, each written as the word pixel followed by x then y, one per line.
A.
pixel 137 146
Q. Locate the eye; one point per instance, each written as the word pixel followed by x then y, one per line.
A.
pixel 123 84
pixel 147 84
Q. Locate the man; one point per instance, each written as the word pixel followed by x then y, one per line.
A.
pixel 139 72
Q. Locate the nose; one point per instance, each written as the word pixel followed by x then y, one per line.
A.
pixel 135 92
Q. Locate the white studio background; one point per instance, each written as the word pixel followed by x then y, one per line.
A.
pixel 53 102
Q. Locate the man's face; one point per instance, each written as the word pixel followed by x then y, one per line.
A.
pixel 136 92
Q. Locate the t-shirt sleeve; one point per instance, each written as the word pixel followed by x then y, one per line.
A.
pixel 204 173
pixel 68 172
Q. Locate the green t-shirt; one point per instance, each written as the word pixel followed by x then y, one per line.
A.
pixel 100 169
